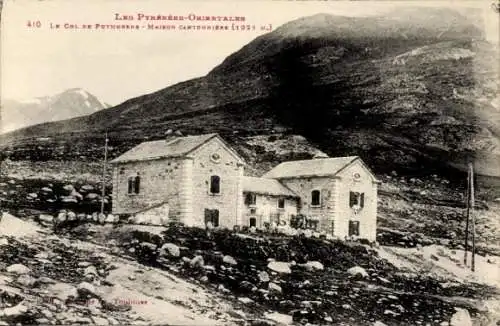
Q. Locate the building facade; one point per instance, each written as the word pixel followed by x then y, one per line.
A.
pixel 199 181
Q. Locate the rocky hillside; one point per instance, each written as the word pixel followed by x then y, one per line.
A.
pixel 128 274
pixel 71 103
pixel 413 90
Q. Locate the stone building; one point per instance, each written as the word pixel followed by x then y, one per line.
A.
pixel 199 180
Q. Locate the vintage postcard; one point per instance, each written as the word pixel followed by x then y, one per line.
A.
pixel 250 163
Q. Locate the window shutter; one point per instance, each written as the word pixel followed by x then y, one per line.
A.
pixel 215 217
pixel 137 184
pixel 352 198
pixel 362 200
pixel 130 185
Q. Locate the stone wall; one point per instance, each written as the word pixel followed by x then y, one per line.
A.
pixel 160 182
pixel 230 169
pixel 367 216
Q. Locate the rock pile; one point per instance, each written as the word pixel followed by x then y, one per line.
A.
pixel 311 280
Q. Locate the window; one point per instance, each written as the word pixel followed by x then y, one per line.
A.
pixel 354 228
pixel 356 199
pixel 281 203
pixel 134 184
pixel 250 199
pixel 253 221
pixel 315 198
pixel 212 217
pixel 215 184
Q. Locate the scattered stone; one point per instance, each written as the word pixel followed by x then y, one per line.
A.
pixel 315 265
pixel 71 216
pixel 46 218
pixel 86 288
pixel 274 287
pixel 86 188
pixel 281 319
pixel 32 195
pixel 170 249
pixel 263 276
pixel 69 188
pixel 245 300
pixel 197 261
pixel 111 219
pixel 15 311
pixel 18 269
pixel 461 318
pixel 4 242
pixel 279 267
pixel 26 281
pixel 379 323
pixel 229 260
pixel 64 291
pixel 100 321
pixel 357 271
pixel 90 270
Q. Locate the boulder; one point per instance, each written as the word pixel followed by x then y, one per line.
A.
pixel 379 323
pixel 4 242
pixel 314 265
pixel 111 219
pixel 61 217
pixel 15 311
pixel 32 195
pixel 86 288
pixel 71 216
pixel 275 287
pixel 86 188
pixel 90 270
pixel 91 196
pixel 18 269
pixel 170 249
pixel 46 190
pixel 461 318
pixel 46 218
pixel 76 194
pixel 197 261
pixel 229 260
pixel 69 188
pixel 27 281
pixel 102 218
pixel 263 277
pixel 279 267
pixel 357 271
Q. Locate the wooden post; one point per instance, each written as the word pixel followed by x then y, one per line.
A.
pixel 473 219
pixel 466 245
pixel 104 173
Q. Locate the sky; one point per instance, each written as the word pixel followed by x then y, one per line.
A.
pixel 116 65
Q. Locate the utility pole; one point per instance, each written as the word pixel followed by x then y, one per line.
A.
pixel 104 173
pixel 466 245
pixel 473 218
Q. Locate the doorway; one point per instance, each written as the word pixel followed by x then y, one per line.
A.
pixel 212 216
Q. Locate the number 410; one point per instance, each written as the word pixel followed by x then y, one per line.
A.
pixel 36 24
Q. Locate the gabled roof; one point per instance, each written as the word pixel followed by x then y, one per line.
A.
pixel 266 186
pixel 176 147
pixel 311 168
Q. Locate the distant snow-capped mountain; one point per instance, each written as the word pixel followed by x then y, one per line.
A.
pixel 71 103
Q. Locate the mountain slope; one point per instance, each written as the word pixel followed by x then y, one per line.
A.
pixel 413 90
pixel 71 103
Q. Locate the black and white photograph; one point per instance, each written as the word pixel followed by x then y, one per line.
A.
pixel 251 163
